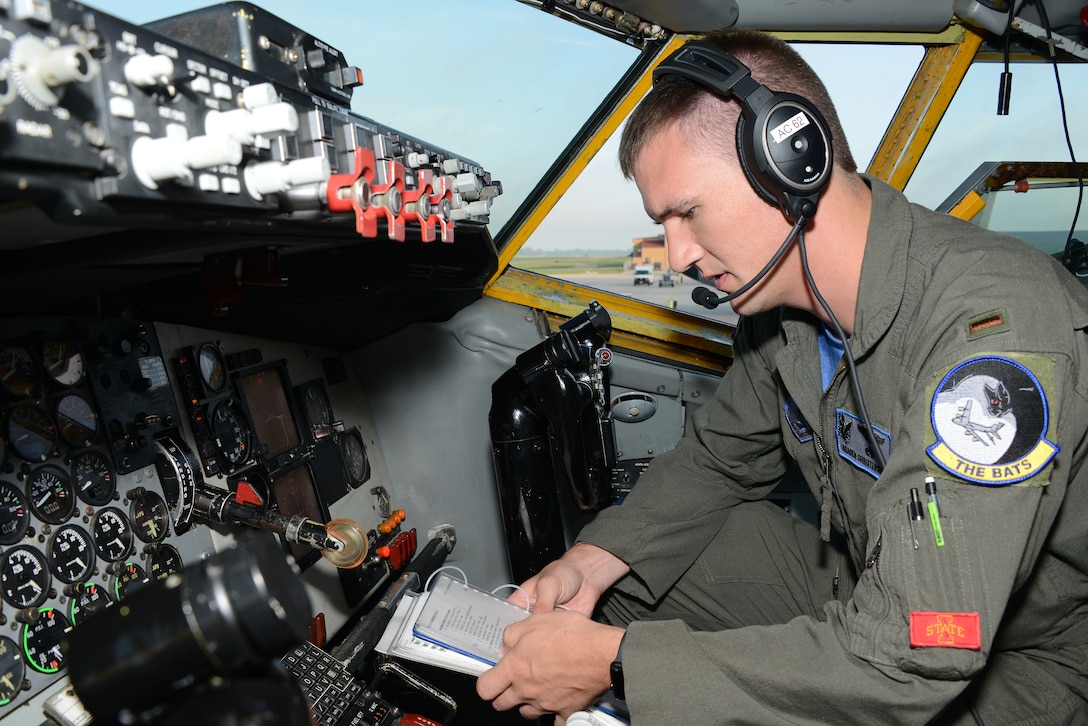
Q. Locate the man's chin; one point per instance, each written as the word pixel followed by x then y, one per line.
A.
pixel 745 304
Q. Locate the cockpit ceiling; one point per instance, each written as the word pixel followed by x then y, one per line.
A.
pixel 699 16
pixel 906 16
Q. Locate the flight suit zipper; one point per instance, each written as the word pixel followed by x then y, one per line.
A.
pixel 874 556
pixel 827 490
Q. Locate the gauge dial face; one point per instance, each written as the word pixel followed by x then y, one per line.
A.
pixel 150 518
pixel 14 514
pixel 77 421
pixel 213 371
pixel 355 459
pixel 71 554
pixel 177 481
pixel 52 495
pixel 89 599
pixel 165 561
pixel 32 435
pixel 232 432
pixel 129 580
pixel 63 362
pixel 111 534
pixel 24 577
pixel 41 641
pixel 316 404
pixel 93 477
pixel 18 374
pixel 12 670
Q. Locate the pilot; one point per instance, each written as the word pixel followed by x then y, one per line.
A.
pixel 947 582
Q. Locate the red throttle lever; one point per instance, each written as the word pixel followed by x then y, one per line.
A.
pixel 360 192
pixel 429 204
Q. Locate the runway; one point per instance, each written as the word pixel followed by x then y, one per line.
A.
pixel 677 297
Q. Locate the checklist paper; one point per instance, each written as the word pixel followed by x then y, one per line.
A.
pixel 465 619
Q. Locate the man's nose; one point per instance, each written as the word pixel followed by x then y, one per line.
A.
pixel 683 250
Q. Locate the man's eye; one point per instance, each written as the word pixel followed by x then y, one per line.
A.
pixel 688 213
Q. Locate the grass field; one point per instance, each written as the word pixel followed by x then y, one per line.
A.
pixel 560 266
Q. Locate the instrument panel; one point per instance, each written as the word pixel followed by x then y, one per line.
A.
pixel 119 451
pixel 167 172
pixel 84 519
pixel 208 178
pixel 170 113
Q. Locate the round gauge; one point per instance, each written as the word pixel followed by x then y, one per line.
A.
pixel 316 404
pixel 52 495
pixel 150 518
pixel 24 577
pixel 177 481
pixel 88 599
pixel 71 554
pixel 63 362
pixel 77 421
pixel 213 371
pixel 12 670
pixel 14 514
pixel 165 561
pixel 130 579
pixel 32 435
pixel 18 374
pixel 355 459
pixel 111 534
pixel 93 477
pixel 231 432
pixel 42 638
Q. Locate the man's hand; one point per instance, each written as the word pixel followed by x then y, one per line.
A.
pixel 574 581
pixel 554 662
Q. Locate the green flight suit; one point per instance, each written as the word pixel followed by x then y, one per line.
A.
pixel 971 353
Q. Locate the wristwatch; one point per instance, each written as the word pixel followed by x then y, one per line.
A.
pixel 615 673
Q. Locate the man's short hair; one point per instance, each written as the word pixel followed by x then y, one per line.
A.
pixel 709 121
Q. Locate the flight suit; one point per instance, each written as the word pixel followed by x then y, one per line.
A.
pixel 971 356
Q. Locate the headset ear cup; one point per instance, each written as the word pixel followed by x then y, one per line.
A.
pixel 784 147
pixel 745 153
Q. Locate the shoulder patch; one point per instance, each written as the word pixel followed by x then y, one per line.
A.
pixel 990 416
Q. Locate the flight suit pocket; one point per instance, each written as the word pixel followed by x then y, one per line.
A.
pixel 921 605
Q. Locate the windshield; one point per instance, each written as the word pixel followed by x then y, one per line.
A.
pixel 498 82
pixel 971 133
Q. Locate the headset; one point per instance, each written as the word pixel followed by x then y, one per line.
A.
pixel 783 140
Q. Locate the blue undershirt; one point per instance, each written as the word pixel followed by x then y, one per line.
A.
pixel 831 352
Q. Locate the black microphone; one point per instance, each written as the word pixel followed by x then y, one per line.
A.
pixel 703 296
pixel 706 298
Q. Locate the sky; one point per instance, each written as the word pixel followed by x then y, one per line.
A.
pixel 505 85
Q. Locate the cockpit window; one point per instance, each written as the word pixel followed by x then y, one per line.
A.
pixel 972 133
